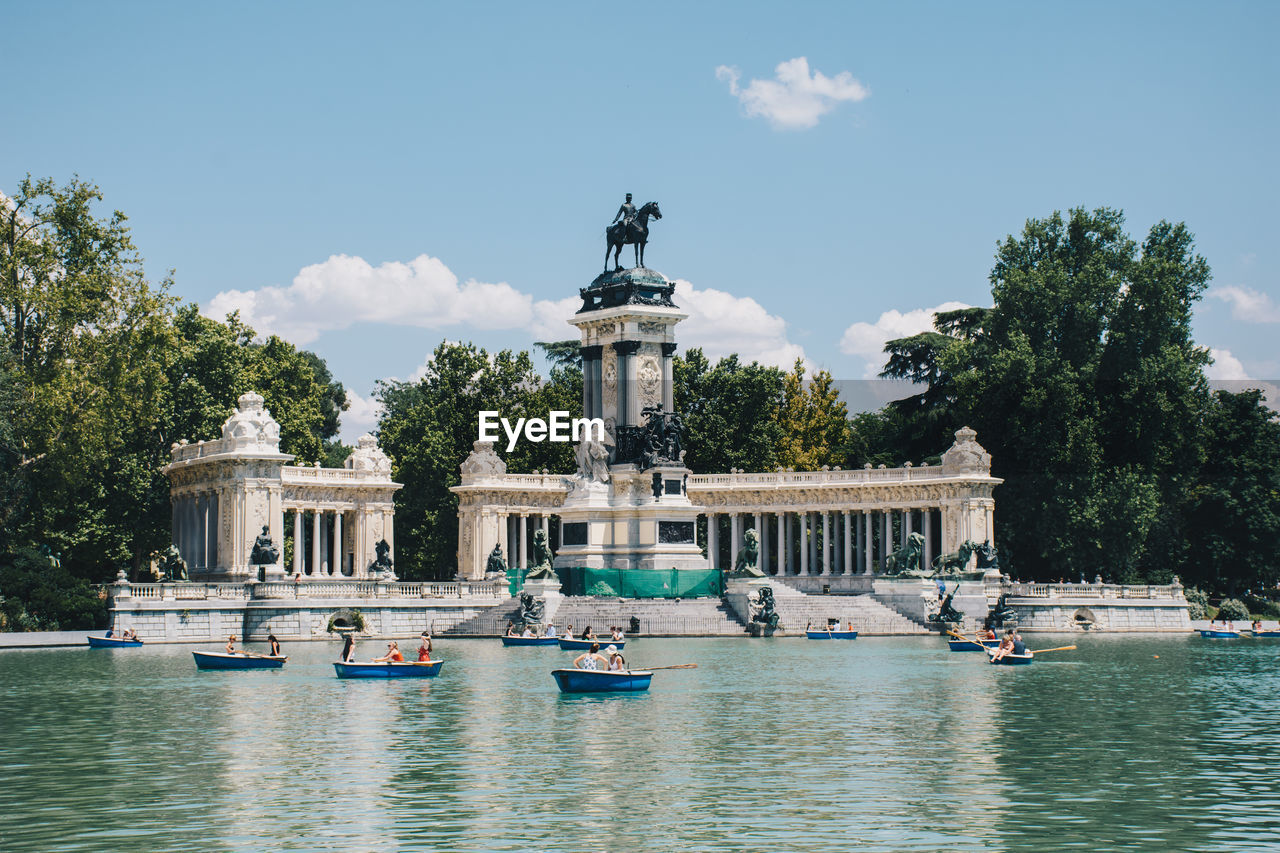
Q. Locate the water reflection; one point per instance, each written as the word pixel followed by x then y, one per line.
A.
pixel 882 744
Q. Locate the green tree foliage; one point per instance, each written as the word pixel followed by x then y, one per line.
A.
pixel 427 428
pixel 1233 507
pixel 100 373
pixel 1231 609
pixel 1083 382
pixel 562 354
pixel 732 412
pixel 38 594
pixel 814 422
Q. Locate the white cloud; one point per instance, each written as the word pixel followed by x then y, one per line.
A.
pixel 721 323
pixel 1225 366
pixel 796 98
pixel 868 339
pixel 1248 305
pixel 360 417
pixel 344 290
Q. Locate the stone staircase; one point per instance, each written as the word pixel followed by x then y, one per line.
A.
pixel 867 615
pixel 687 617
pixel 490 622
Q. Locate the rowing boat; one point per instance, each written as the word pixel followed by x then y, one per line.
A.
pixel 237 660
pixel 831 635
pixel 1214 634
pixel 112 643
pixel 601 681
pixel 529 641
pixel 387 669
pixel 1266 634
pixel 571 645
pixel 972 645
pixel 1010 659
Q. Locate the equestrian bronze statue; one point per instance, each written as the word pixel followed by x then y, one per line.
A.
pixel 630 226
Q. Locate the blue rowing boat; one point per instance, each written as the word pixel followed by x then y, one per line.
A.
pixel 237 660
pixel 571 645
pixel 601 681
pixel 1266 634
pixel 972 645
pixel 1010 659
pixel 529 641
pixel 112 643
pixel 1220 635
pixel 389 669
pixel 831 635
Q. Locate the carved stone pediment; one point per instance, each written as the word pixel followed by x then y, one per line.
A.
pixel 483 462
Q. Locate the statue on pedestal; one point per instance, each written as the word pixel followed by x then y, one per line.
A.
pixel 955 563
pixel 632 230
pixel 946 612
pixel 265 553
pixel 746 567
pixel 541 558
pixel 988 559
pixel 171 566
pixel 382 566
pixel 762 609
pixel 497 566
pixel 532 610
pixel 907 560
pixel 662 438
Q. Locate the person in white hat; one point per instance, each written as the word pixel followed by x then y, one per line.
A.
pixel 616 662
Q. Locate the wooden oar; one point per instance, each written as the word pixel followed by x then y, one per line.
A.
pixel 675 666
pixel 1058 649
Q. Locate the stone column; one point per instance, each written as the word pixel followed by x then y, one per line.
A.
pixel 927 522
pixel 315 543
pixel 592 402
pixel 546 526
pixel 825 562
pixel 522 531
pixel 735 537
pixel 991 524
pixel 713 541
pixel 780 545
pixel 886 537
pixel 803 519
pixel 815 567
pixel 762 534
pixel 628 393
pixel 868 558
pixel 668 377
pixel 298 544
pixel 337 543
pixel 848 567
pixel 909 527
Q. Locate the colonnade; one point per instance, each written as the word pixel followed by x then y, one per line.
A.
pixel 517 529
pixel 822 542
pixel 315 542
pixel 195 529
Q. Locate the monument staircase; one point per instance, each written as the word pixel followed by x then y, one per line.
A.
pixel 867 615
pixel 687 617
pixel 491 622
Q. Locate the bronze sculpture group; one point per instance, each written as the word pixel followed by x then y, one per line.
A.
pixel 629 227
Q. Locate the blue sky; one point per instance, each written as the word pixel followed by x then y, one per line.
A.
pixel 370 179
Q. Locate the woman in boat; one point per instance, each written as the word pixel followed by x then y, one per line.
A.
pixel 511 628
pixel 1006 646
pixel 588 634
pixel 231 644
pixel 551 632
pixel 393 654
pixel 424 650
pixel 275 645
pixel 527 633
pixel 348 650
pixel 615 633
pixel 591 659
pixel 617 663
pixel 568 631
pixel 129 634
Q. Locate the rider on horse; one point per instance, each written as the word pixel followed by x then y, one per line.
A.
pixel 627 213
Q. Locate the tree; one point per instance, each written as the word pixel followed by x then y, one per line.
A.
pixel 731 412
pixel 1233 512
pixel 562 354
pixel 1083 382
pixel 428 427
pixel 814 422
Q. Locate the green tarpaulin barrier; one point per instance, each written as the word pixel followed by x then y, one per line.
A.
pixel 641 583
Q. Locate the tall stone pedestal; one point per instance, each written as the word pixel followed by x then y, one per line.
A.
pixel 638 520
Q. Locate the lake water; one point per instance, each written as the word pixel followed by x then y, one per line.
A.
pixel 1128 743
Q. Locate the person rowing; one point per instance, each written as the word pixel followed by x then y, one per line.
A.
pixel 1006 647
pixel 591 659
pixel 393 654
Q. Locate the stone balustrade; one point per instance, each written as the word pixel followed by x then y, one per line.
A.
pixel 832 477
pixel 1085 590
pixel 277 590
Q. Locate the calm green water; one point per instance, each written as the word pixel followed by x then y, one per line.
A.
pixel 789 745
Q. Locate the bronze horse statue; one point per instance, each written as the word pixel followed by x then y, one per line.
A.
pixel 636 231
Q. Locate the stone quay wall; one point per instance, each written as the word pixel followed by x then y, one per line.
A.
pixel 192 612
pixel 1096 607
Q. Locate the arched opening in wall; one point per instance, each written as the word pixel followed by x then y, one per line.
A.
pixel 1084 619
pixel 346 622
